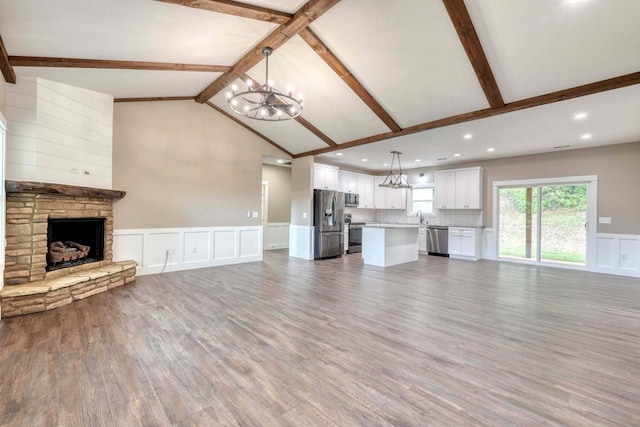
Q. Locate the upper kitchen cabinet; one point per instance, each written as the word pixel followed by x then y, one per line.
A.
pixel 459 188
pixel 366 191
pixel 388 198
pixel 325 177
pixel 445 189
pixel 349 182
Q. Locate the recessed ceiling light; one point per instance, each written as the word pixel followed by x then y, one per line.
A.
pixel 365 160
pixel 576 1
pixel 586 136
pixel 385 164
pixel 280 161
pixel 418 160
pixel 338 154
pixel 580 116
pixel 468 136
pixel 456 155
pixel 491 149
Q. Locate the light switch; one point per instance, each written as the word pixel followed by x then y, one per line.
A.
pixel 604 220
pixel 304 214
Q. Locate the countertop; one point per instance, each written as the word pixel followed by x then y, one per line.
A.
pixel 393 225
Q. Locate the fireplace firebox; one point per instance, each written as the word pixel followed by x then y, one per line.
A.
pixel 74 241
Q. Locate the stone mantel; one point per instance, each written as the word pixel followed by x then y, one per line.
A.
pixel 60 189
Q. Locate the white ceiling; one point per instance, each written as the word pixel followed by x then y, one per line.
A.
pixel 406 54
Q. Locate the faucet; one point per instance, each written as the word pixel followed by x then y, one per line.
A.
pixel 419 214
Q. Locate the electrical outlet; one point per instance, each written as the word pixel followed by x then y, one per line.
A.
pixel 604 220
pixel 255 214
pixel 194 250
pixel 624 257
pixel 248 214
pixel 304 214
pixel 74 170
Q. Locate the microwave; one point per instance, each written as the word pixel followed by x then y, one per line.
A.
pixel 351 200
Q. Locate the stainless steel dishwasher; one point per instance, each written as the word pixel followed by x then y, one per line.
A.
pixel 438 240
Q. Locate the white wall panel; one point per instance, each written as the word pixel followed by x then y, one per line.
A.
pixel 225 245
pixel 489 244
pixel 250 243
pixel 628 254
pixel 193 247
pixel 605 252
pixel 301 241
pixel 128 247
pixel 158 246
pixel 197 246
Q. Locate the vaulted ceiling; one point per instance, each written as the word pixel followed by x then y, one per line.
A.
pixel 441 81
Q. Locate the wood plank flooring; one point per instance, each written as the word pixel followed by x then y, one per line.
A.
pixel 303 343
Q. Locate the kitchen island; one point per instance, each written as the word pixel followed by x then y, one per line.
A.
pixel 385 245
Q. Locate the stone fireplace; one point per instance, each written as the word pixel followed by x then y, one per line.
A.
pixel 39 215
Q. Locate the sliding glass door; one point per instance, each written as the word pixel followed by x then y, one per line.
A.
pixel 543 223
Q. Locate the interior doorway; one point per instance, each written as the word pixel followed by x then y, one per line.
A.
pixel 546 221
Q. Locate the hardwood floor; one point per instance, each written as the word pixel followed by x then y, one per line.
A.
pixel 334 342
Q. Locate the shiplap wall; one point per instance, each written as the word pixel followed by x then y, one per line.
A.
pixel 58 133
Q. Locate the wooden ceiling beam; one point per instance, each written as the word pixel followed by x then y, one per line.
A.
pixel 255 132
pixel 237 9
pixel 156 98
pixel 536 101
pixel 338 67
pixel 38 61
pixel 5 66
pixel 301 19
pixel 461 20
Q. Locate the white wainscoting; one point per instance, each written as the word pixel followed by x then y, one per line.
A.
pixel 489 244
pixel 618 254
pixel 276 235
pixel 187 248
pixel 301 241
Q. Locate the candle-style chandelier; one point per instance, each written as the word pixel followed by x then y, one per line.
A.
pixel 265 102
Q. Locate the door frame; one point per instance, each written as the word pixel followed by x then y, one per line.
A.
pixel 591 181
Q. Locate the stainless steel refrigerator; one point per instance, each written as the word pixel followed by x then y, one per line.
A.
pixel 328 220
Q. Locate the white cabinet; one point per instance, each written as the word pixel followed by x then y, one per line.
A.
pixel 388 198
pixel 445 190
pixel 360 184
pixel 365 190
pixel 379 193
pixel 465 243
pixel 325 177
pixel 468 189
pixel 459 189
pixel 349 182
pixel 396 198
pixel 422 240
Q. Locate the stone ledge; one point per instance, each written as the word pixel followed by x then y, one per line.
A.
pixel 43 295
